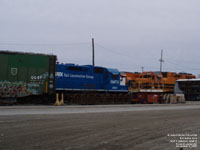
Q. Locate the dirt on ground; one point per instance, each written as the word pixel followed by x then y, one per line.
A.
pixel 137 130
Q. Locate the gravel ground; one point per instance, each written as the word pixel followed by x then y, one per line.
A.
pixel 111 127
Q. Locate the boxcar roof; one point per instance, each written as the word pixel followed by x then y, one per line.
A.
pixel 23 53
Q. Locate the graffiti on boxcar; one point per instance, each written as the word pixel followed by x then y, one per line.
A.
pixel 18 89
pixel 21 88
pixel 33 88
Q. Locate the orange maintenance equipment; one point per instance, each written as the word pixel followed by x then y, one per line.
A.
pixel 146 86
pixel 157 81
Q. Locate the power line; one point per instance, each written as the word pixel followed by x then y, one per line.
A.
pixel 183 61
pixel 178 65
pixel 174 64
pixel 110 50
pixel 118 53
pixel 101 46
pixel 45 44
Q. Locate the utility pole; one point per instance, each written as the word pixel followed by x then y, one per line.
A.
pixel 142 69
pixel 93 51
pixel 161 61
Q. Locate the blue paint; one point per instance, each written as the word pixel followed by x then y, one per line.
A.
pixel 88 77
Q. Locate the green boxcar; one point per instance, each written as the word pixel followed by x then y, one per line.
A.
pixel 26 74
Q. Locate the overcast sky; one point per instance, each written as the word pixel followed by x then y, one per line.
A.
pixel 128 34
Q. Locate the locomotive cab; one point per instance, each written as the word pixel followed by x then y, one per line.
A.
pixel 115 81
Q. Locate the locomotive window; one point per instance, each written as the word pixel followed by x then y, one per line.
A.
pixel 164 74
pixel 98 70
pixel 85 69
pixel 75 68
pixel 147 76
pixel 177 76
pixel 115 77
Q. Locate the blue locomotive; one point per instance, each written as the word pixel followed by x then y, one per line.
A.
pixel 88 78
pixel 89 84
